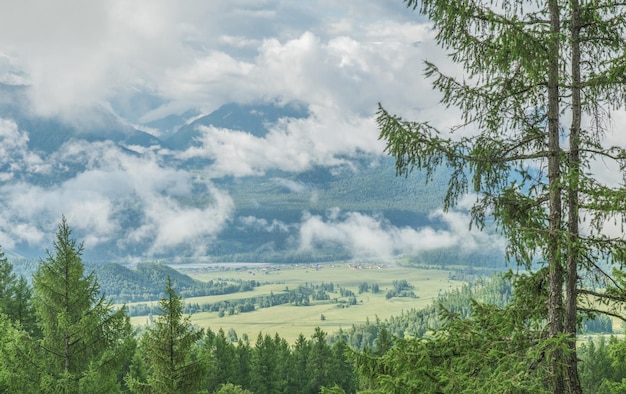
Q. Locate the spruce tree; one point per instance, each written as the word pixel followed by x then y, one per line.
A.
pixel 265 374
pixel 171 351
pixel 7 283
pixel 299 378
pixel 221 354
pixel 84 339
pixel 244 363
pixel 319 363
pixel 541 79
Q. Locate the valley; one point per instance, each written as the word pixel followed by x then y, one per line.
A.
pixel 291 320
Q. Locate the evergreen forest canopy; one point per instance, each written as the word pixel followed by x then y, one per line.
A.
pixel 63 335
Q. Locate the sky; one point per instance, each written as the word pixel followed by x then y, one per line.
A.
pixel 338 58
pixel 201 54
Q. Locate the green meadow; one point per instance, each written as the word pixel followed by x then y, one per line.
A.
pixel 290 320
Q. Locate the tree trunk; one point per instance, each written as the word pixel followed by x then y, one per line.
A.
pixel 571 361
pixel 555 267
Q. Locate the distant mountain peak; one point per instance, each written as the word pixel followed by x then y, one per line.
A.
pixel 251 118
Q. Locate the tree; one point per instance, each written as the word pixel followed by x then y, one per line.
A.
pixel 319 363
pixel 602 368
pixel 266 373
pixel 490 352
pixel 171 352
pixel 84 339
pixel 244 362
pixel 299 378
pixel 343 374
pixel 541 78
pixel 15 296
pixel 7 283
pixel 17 372
pixel 221 354
pixel 230 388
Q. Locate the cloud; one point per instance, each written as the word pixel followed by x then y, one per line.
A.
pixel 292 186
pixel 252 222
pixel 14 154
pixel 291 145
pixel 169 226
pixel 374 236
pixel 198 54
pixel 338 58
pixel 344 73
pixel 131 201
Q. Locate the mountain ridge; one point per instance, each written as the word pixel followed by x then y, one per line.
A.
pixel 269 210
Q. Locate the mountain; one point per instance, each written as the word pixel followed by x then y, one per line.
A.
pixel 48 133
pixel 253 119
pixel 319 213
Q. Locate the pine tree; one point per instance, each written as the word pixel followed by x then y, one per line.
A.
pixel 171 351
pixel 84 339
pixel 343 373
pixel 531 65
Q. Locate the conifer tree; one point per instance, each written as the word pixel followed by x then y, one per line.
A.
pixel 16 375
pixel 171 352
pixel 541 78
pixel 343 372
pixel 7 283
pixel 222 361
pixel 84 339
pixel 319 362
pixel 265 376
pixel 15 296
pixel 244 363
pixel 299 378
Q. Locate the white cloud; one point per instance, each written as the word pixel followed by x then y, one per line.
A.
pixel 374 236
pixel 97 200
pixel 291 145
pixel 263 224
pixel 338 58
pixel 292 186
pixel 14 154
pixel 203 54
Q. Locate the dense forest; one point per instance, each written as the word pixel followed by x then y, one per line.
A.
pixel 60 334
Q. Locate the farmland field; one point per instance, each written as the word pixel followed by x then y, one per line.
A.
pixel 290 320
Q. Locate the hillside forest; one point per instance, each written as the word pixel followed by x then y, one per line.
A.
pixel 62 335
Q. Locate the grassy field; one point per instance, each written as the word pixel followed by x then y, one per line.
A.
pixel 289 320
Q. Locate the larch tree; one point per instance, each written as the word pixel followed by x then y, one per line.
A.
pixel 8 281
pixel 16 296
pixel 84 339
pixel 171 351
pixel 541 80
